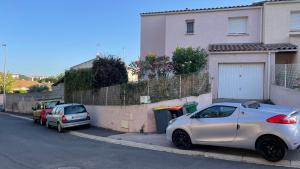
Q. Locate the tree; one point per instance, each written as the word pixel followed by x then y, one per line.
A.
pixel 108 71
pixel 37 88
pixel 152 67
pixel 189 60
pixel 9 82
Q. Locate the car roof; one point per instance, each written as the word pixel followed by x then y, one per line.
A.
pixel 69 104
pixel 228 104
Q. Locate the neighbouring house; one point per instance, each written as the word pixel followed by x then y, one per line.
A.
pixel 244 42
pixel 23 85
pixel 89 64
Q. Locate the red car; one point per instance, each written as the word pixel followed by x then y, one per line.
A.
pixel 49 105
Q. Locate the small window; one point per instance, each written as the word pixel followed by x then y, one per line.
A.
pixel 216 112
pixel 190 26
pixel 238 25
pixel 295 20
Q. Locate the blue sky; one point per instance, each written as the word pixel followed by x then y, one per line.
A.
pixel 46 37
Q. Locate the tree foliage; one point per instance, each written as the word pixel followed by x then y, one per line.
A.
pixel 189 60
pixel 9 82
pixel 76 80
pixel 152 67
pixel 108 71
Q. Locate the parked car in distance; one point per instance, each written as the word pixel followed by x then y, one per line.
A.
pixel 68 115
pixel 41 108
pixel 271 130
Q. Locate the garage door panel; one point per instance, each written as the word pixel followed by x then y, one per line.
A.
pixel 241 81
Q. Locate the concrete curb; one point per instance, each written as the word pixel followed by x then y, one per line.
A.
pixel 220 156
pixel 252 160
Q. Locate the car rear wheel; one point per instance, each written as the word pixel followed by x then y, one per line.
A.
pixel 47 124
pixel 181 139
pixel 271 148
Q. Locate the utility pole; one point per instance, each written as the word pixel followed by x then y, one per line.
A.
pixel 4 76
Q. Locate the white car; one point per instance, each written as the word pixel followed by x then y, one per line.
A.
pixel 68 115
pixel 269 129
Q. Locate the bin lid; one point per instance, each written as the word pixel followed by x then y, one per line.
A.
pixel 190 103
pixel 176 107
pixel 161 108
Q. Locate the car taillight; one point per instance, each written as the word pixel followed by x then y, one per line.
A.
pixel 88 116
pixel 282 119
pixel 63 119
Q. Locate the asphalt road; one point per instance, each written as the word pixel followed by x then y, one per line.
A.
pixel 24 145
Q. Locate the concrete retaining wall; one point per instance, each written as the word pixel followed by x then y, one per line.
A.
pixel 285 96
pixel 133 118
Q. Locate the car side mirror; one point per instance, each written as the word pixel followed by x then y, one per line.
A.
pixel 50 113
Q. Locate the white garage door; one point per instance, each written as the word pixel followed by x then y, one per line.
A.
pixel 241 81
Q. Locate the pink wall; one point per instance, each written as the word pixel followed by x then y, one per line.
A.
pixel 284 96
pixel 210 27
pixel 132 118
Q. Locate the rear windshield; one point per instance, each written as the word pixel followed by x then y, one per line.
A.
pixel 52 104
pixel 76 109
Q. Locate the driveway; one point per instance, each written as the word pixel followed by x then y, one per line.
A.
pixel 24 145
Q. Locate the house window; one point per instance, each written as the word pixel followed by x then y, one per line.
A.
pixel 238 25
pixel 295 20
pixel 190 26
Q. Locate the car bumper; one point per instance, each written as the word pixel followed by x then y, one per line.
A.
pixel 74 124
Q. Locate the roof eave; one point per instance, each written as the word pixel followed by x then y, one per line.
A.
pixel 198 11
pixel 255 51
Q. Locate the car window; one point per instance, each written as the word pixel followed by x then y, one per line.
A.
pixel 217 112
pixel 74 109
pixel 53 110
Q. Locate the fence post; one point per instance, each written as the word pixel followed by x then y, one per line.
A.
pixel 285 75
pixel 148 88
pixel 179 86
pixel 80 97
pixel 124 98
pixel 106 95
pixel 93 98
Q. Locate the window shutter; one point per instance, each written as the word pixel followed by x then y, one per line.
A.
pixel 238 25
pixel 295 20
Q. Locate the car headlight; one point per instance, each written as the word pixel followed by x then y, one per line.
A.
pixel 172 121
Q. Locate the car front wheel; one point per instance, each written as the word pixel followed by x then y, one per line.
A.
pixel 271 148
pixel 181 139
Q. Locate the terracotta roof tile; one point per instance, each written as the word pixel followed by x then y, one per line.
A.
pixel 229 47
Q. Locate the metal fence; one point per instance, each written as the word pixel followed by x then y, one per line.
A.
pixel 287 75
pixel 174 87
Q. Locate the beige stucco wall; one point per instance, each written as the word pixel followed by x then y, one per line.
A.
pixel 153 35
pixel 132 118
pixel 210 27
pixel 277 24
pixel 284 96
pixel 216 59
pixel 161 34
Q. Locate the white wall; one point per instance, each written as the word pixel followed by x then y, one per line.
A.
pixel 284 96
pixel 132 118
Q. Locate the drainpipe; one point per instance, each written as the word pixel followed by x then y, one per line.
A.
pixel 261 24
pixel 269 75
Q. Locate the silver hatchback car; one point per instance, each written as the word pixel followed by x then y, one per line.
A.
pixel 269 129
pixel 68 115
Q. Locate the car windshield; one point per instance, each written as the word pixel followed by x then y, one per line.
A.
pixel 75 109
pixel 51 105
